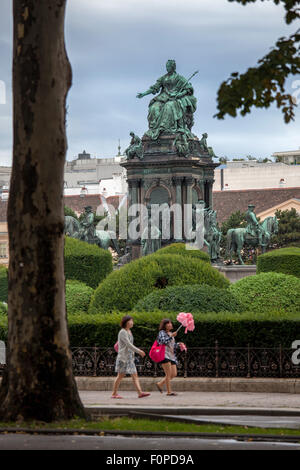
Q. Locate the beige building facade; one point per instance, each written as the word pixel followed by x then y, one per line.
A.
pixel 253 175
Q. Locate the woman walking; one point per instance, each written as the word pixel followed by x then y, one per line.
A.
pixel 169 363
pixel 125 359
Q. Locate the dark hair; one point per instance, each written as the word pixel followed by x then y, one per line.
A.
pixel 163 323
pixel 125 320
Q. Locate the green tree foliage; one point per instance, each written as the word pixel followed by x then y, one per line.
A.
pixel 288 228
pixel 264 85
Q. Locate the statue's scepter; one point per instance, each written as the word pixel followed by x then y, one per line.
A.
pixel 186 81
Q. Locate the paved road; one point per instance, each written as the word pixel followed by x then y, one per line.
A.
pixel 29 442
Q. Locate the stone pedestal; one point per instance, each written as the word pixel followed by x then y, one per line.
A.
pixel 236 272
pixel 164 176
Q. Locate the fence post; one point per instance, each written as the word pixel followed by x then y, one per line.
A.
pixel 217 357
pixel 249 366
pixel 95 362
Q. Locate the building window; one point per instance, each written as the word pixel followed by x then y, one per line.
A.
pixel 3 250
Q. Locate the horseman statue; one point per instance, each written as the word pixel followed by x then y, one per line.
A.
pixel 86 231
pixel 212 233
pixel 255 234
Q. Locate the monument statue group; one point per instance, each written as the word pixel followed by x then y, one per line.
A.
pixel 171 165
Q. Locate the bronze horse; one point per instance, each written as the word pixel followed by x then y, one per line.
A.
pixel 238 237
pixel 103 238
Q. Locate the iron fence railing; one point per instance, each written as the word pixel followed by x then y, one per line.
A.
pixel 217 361
pixel 214 361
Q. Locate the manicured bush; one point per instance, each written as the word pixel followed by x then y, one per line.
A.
pixel 268 291
pixel 190 299
pixel 3 284
pixel 122 289
pixel 85 262
pixel 78 296
pixel 180 249
pixel 284 260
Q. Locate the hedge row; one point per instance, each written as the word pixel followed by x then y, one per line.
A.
pixel 284 260
pixel 122 289
pixel 85 262
pixel 181 249
pixel 230 329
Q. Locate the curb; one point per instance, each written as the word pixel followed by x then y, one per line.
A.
pixel 219 411
pixel 196 384
pixel 162 434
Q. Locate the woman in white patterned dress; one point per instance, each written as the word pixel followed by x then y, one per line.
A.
pixel 125 359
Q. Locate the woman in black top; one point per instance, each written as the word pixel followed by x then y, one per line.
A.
pixel 169 364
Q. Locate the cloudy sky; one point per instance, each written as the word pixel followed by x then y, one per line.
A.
pixel 119 47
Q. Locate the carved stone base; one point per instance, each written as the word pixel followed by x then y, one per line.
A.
pixel 236 272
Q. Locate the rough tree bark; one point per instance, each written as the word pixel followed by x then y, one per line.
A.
pixel 39 382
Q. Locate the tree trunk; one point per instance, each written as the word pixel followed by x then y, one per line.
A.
pixel 38 383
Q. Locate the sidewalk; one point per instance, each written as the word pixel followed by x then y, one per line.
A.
pixel 197 384
pixel 190 403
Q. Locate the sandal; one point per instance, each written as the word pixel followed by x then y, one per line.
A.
pixel 143 394
pixel 116 396
pixel 172 394
pixel 160 390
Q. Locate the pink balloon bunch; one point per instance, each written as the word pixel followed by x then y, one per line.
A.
pixel 187 320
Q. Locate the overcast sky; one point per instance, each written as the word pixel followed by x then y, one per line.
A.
pixel 119 47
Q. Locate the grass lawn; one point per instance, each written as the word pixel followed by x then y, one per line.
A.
pixel 130 424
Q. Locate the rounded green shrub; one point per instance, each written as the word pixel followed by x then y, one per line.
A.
pixel 85 262
pixel 122 289
pixel 190 299
pixel 78 296
pixel 268 291
pixel 3 284
pixel 284 260
pixel 180 249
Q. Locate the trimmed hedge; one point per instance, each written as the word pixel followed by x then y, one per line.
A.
pixel 268 291
pixel 85 262
pixel 190 299
pixel 180 249
pixel 284 260
pixel 230 329
pixel 3 284
pixel 78 296
pixel 122 289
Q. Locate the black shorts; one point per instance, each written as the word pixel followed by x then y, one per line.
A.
pixel 168 360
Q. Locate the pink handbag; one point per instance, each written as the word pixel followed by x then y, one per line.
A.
pixel 116 347
pixel 157 352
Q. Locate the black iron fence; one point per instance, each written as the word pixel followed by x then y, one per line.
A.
pixel 214 361
pixel 196 362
